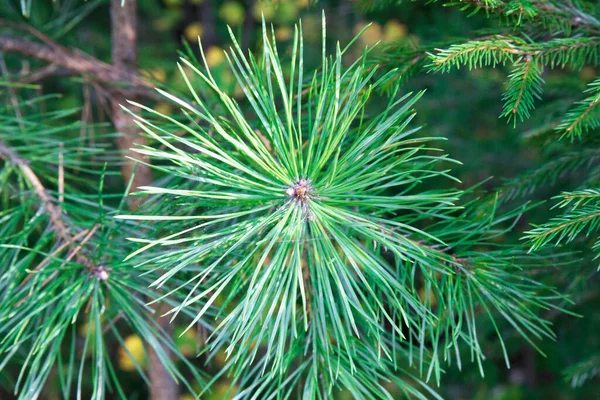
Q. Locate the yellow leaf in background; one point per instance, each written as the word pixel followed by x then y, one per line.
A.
pixel 186 397
pixel 192 31
pixel 588 74
pixel 371 35
pixel 164 108
pixel 302 3
pixel 135 346
pixel 83 329
pixel 264 7
pixel 159 74
pixel 232 13
pixel 238 92
pixel 344 394
pixel 311 28
pixel 214 56
pixel 429 296
pixel 284 33
pixel 227 78
pixel 220 358
pixel 394 30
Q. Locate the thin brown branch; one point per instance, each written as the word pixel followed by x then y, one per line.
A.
pixel 53 212
pixel 583 115
pixel 50 256
pixel 48 71
pixel 118 79
pixel 61 56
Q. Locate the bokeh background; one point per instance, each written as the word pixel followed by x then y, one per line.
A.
pixel 462 106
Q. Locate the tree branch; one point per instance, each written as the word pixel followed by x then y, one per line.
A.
pixel 53 212
pixel 124 58
pixel 121 80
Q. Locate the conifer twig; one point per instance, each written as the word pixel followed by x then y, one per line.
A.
pixel 53 212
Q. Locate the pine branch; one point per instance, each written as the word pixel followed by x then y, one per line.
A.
pixel 524 85
pixel 583 372
pixel 565 228
pixel 317 242
pixel 53 212
pixel 584 115
pixel 560 17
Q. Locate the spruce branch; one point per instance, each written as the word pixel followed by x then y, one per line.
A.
pixel 549 173
pixel 564 228
pixel 527 59
pixel 524 86
pixel 584 115
pixel 578 198
pixel 555 16
pixel 583 372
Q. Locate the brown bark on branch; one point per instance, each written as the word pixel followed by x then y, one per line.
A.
pixel 124 58
pixel 126 81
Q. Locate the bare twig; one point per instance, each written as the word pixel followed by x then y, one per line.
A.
pixel 125 81
pixel 53 212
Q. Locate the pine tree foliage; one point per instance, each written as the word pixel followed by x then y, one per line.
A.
pixel 582 216
pixel 551 172
pixel 583 372
pixel 318 236
pixel 312 222
pixel 584 115
pixel 552 15
pixel 62 272
pixel 527 60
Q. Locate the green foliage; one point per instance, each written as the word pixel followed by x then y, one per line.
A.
pixel 299 217
pixel 306 221
pixel 584 371
pixel 62 267
pixel 524 85
pixel 584 115
pixel 527 59
pixel 582 215
pixel 550 173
